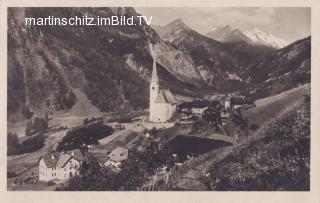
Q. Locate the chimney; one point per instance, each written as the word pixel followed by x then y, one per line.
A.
pixel 72 153
pixel 52 156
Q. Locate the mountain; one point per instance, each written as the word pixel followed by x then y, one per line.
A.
pixel 67 68
pixel 254 36
pixel 258 36
pixel 218 64
pixel 227 34
pixel 52 67
pixel 280 70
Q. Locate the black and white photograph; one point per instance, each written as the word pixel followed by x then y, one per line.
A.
pixel 158 98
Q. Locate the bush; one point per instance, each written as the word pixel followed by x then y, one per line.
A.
pixel 89 134
pixel 37 125
pixel 50 183
pixel 11 174
pixel 254 127
pixel 26 112
pixel 32 144
pixel 29 144
pixel 68 99
pixel 13 144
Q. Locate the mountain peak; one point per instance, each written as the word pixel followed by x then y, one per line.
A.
pixel 258 36
pixel 256 29
pixel 255 36
pixel 227 34
pixel 179 23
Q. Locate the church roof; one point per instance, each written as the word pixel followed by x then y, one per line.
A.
pixel 165 96
pixel 154 76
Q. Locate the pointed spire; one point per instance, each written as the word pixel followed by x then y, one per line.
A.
pixel 154 77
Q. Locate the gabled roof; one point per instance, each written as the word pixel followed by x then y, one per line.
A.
pixel 63 159
pixel 77 154
pixel 119 154
pixel 60 159
pixel 50 159
pixel 165 96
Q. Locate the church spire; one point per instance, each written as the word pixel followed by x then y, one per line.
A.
pixel 154 77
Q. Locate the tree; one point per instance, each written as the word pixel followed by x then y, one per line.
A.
pixel 29 128
pixel 40 124
pixel 211 115
pixel 26 112
pixel 92 177
pixel 13 143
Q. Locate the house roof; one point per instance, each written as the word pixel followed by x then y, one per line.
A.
pixel 60 159
pixel 119 154
pixel 165 96
pixel 50 159
pixel 63 159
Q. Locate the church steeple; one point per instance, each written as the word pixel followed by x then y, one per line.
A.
pixel 154 77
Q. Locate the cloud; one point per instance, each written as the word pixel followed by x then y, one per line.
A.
pixel 276 20
pixel 245 18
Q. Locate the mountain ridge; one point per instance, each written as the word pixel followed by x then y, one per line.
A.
pixel 255 36
pixel 45 65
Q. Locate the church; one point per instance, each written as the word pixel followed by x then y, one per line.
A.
pixel 162 102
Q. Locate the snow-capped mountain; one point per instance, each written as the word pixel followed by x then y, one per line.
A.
pixel 227 34
pixel 258 36
pixel 254 36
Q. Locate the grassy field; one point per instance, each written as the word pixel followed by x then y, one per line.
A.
pixel 268 108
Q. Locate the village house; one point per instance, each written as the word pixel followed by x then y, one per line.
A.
pixel 227 103
pixel 224 115
pixel 60 166
pixel 116 157
pixel 198 110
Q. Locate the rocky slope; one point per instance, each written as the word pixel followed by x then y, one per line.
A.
pixel 111 65
pixel 217 64
pixel 52 67
pixel 281 70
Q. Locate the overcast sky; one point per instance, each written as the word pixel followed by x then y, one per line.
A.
pixel 289 24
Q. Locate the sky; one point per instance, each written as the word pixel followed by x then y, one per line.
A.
pixel 288 23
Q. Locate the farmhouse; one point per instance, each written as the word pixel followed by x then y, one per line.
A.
pixel 224 114
pixel 118 155
pixel 227 103
pixel 198 110
pixel 162 102
pixel 60 166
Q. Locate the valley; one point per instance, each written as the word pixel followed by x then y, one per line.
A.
pixel 155 108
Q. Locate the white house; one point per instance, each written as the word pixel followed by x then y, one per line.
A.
pixel 116 157
pixel 198 110
pixel 60 166
pixel 227 103
pixel 224 115
pixel 162 102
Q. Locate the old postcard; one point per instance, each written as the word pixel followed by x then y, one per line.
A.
pixel 159 98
